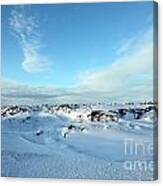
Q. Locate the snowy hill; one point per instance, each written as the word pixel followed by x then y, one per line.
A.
pixel 78 141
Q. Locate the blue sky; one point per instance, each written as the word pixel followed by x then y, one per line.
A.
pixel 72 46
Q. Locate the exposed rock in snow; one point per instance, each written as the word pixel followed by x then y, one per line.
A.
pixel 76 141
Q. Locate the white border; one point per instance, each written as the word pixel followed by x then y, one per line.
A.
pixel 47 182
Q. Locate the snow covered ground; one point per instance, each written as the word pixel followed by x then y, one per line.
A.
pixel 67 144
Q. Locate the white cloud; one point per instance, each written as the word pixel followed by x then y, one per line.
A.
pixel 124 46
pixel 129 76
pixel 14 92
pixel 18 93
pixel 24 27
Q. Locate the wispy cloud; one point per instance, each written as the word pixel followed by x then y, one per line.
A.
pixel 25 27
pixel 130 75
pixel 128 78
pixel 14 92
pixel 124 45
